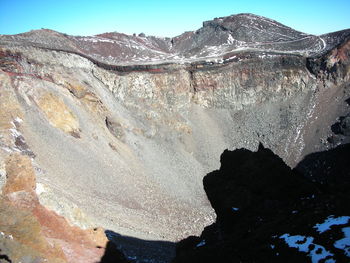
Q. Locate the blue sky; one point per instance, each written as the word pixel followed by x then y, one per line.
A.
pixel 164 18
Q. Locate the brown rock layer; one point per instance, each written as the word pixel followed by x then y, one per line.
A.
pixel 31 233
pixel 20 174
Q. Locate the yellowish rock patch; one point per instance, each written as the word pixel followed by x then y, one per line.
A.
pixel 58 114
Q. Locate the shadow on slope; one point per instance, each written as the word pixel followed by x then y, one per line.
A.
pixel 137 250
pixel 113 255
pixel 262 204
pixel 329 168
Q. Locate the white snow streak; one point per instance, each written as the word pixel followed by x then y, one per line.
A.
pixel 344 243
pixel 200 244
pixel 303 243
pixel 331 221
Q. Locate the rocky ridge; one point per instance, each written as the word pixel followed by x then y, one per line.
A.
pixel 121 129
pixel 213 42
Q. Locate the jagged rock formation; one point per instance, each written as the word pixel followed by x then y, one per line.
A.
pixel 121 129
pixel 268 213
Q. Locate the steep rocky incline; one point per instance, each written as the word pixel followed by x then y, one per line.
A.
pixel 121 141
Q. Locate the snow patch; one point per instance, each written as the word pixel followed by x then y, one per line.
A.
pixel 132 257
pixel 230 40
pixel 18 119
pixel 97 39
pixel 15 133
pixel 344 244
pixel 40 189
pixel 303 243
pixel 331 221
pixel 200 244
pixel 7 149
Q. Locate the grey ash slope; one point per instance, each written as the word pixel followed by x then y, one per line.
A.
pixel 138 142
pixel 216 40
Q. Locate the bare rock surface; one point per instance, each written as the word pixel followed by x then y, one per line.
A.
pixel 32 233
pixel 20 175
pixel 121 129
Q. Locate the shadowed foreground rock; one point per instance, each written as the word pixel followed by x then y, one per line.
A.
pixel 267 212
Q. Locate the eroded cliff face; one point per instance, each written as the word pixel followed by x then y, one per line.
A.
pixel 32 233
pixel 126 146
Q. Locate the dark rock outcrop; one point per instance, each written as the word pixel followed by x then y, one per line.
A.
pixel 262 206
pixel 114 127
pixel 330 169
pixel 340 129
